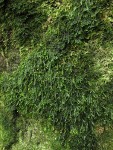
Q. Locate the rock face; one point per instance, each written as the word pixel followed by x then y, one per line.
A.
pixel 10 62
pixel 2 63
pixel 33 136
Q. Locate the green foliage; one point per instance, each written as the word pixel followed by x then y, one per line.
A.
pixel 22 20
pixel 77 22
pixel 66 89
pixel 20 24
pixel 67 78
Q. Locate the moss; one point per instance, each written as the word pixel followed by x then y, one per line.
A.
pixel 66 77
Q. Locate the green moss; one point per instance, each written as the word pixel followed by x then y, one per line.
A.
pixel 67 76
